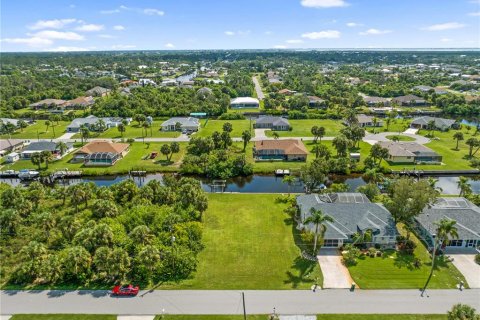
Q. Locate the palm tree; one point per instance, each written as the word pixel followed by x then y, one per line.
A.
pixel 445 229
pixel 320 219
pixel 433 184
pixel 362 237
pixel 121 128
pixel 246 137
pixel 47 157
pixel 289 180
pixel 62 147
pixel 84 132
pixel 458 136
pixel 275 135
pixel 36 159
pixel 464 186
pixel 373 175
pixel 374 122
pixel 431 127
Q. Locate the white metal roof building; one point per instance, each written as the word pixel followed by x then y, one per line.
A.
pixel 244 102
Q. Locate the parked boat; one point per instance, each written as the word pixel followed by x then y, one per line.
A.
pixel 28 174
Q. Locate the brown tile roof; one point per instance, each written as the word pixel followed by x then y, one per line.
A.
pixel 103 146
pixel 80 101
pixel 289 146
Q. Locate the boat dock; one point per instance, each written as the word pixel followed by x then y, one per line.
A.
pixel 66 174
pixel 281 172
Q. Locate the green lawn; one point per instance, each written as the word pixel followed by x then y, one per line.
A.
pixel 396 271
pixel 63 317
pixel 302 128
pixel 132 161
pixel 444 144
pixel 39 130
pixel 400 138
pixel 136 131
pixel 208 127
pixel 319 317
pixel 249 244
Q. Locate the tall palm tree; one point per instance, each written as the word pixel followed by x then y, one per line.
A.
pixel 464 186
pixel 433 184
pixel 446 229
pixel 458 136
pixel 289 180
pixel 62 147
pixel 320 219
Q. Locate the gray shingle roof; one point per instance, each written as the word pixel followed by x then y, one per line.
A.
pixel 44 146
pixel 184 121
pixel 275 121
pixel 439 122
pixel 352 212
pixel 461 210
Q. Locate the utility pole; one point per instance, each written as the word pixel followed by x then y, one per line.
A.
pixel 244 310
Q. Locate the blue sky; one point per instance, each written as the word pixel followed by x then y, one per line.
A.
pixel 54 25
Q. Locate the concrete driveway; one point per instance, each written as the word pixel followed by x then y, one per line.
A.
pixel 465 263
pixel 260 134
pixel 372 139
pixel 335 274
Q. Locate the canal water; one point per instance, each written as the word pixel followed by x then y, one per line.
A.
pixel 258 183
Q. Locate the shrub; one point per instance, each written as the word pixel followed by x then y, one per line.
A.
pixel 130 140
pixel 350 255
pixel 372 252
pixel 232 116
pixel 477 258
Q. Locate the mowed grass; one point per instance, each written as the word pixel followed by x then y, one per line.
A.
pixel 63 317
pixel 397 271
pixel 134 160
pixel 250 243
pixel 302 128
pixel 136 131
pixel 444 144
pixel 210 126
pixel 39 130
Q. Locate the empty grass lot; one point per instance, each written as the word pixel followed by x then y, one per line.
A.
pixel 63 317
pixel 396 271
pixel 249 244
pixel 39 130
pixel 132 161
pixel 136 131
pixel 210 126
pixel 302 128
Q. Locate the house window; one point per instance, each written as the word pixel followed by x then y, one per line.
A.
pixel 455 243
pixel 330 243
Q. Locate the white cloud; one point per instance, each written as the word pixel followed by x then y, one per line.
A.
pixel 268 32
pixel 118 27
pixel 106 36
pixel 474 14
pixel 153 12
pixel 354 24
pixel 123 46
pixel 59 35
pixel 323 3
pixel 280 46
pixel 445 40
pixel 169 45
pixel 374 32
pixel 32 42
pixel 146 11
pixel 326 34
pixel 65 49
pixel 292 41
pixel 229 33
pixel 444 26
pixel 90 27
pixel 51 24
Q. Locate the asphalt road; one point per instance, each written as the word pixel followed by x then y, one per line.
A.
pixel 230 302
pixel 258 88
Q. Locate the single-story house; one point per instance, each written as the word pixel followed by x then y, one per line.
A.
pixel 186 123
pixel 91 121
pixel 244 102
pixel 12 157
pixel 409 152
pixel 375 101
pixel 367 121
pixel 286 92
pixel 273 123
pixel 282 149
pixel 316 102
pixel 465 213
pixel 79 103
pixel 440 123
pixel 10 145
pixel 9 120
pixel 409 100
pixel 428 89
pixel 101 153
pixel 352 214
pixel 39 146
pixel 48 103
pixel 97 92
